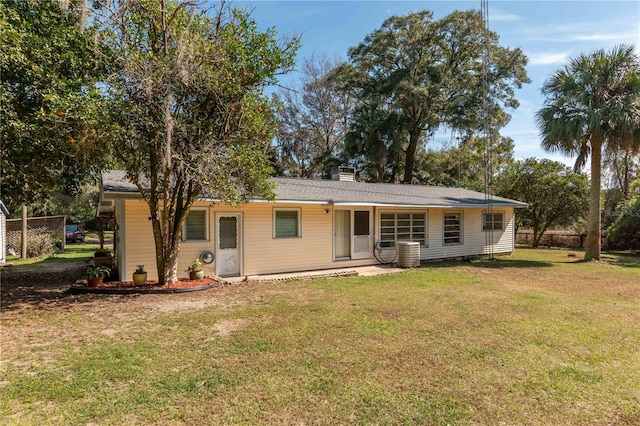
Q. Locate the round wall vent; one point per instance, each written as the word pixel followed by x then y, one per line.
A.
pixel 207 257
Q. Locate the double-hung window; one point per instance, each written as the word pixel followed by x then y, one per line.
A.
pixel 492 221
pixel 196 225
pixel 402 227
pixel 286 223
pixel 452 228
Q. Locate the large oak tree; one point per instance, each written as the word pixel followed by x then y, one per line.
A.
pixel 430 74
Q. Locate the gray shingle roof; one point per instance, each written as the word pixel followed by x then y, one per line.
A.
pixel 352 193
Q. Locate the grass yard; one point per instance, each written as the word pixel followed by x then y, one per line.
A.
pixel 538 338
pixel 73 252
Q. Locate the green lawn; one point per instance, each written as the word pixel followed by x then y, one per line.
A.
pixel 72 252
pixel 538 338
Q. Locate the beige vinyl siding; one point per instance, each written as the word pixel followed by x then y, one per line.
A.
pixel 473 237
pixel 313 249
pixel 120 237
pixel 264 254
pixel 140 248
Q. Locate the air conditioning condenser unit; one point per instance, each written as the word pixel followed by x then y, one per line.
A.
pixel 408 254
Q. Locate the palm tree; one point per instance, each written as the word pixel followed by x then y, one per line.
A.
pixel 593 104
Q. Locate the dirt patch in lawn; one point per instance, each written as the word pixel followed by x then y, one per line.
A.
pixel 37 285
pixel 48 287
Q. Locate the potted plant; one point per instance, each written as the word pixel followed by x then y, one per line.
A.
pixel 195 270
pixel 139 275
pixel 95 274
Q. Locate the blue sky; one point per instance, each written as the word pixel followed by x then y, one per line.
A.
pixel 549 32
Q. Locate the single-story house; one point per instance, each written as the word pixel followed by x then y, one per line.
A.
pixel 314 224
pixel 4 214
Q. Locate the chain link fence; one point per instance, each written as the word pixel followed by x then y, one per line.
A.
pixel 36 227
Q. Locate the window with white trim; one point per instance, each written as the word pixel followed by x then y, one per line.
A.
pixel 402 227
pixel 452 229
pixel 492 221
pixel 286 223
pixel 196 226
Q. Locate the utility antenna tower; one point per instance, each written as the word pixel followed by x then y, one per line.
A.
pixel 488 223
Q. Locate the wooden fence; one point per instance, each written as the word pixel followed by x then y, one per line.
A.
pixel 555 238
pixel 54 225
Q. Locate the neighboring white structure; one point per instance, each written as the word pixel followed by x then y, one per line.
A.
pixel 4 213
pixel 315 224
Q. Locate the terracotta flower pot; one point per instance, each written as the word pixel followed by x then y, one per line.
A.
pixel 94 282
pixel 196 275
pixel 139 279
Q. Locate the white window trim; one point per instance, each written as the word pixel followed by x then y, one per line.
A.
pixel 461 242
pixel 484 214
pixel 298 210
pixel 426 225
pixel 207 236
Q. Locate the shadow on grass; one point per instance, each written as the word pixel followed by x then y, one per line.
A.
pixel 497 263
pixel 621 259
pixel 500 263
pixel 41 282
pixel 38 286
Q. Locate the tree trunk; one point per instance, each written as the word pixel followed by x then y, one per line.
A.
pixel 167 254
pixel 536 237
pixel 171 266
pixel 414 137
pixel 592 245
pixel 380 169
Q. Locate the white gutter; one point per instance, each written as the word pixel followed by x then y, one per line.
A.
pixel 348 203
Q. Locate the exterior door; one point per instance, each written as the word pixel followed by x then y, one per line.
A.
pixel 228 244
pixel 361 234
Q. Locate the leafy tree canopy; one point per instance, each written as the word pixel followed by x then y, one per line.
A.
pixel 312 120
pixel 465 164
pixel 187 90
pixel 429 74
pixel 50 104
pixel 557 196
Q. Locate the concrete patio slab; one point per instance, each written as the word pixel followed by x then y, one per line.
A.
pixel 322 273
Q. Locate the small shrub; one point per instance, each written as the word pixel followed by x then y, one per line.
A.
pixel 41 245
pixel 624 233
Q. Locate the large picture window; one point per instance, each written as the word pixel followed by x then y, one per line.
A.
pixel 286 223
pixel 492 221
pixel 196 225
pixel 402 227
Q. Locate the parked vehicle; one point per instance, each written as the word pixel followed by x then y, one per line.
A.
pixel 74 233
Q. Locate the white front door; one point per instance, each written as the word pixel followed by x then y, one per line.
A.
pixel 361 234
pixel 228 244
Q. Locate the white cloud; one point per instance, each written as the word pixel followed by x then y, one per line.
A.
pixel 582 31
pixel 628 36
pixel 503 16
pixel 548 58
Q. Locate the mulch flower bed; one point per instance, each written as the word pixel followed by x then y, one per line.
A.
pixel 128 287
